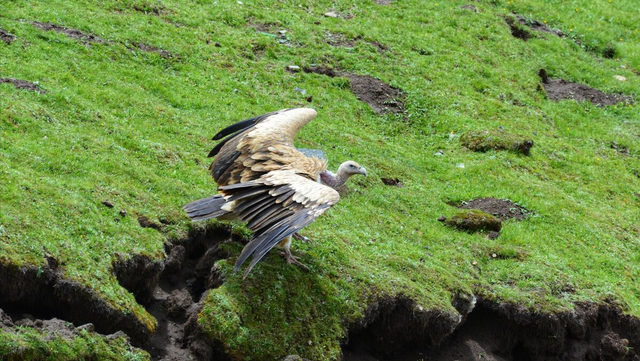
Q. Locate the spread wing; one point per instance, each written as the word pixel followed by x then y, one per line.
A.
pixel 256 146
pixel 275 206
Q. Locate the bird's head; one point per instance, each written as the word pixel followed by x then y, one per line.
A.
pixel 350 168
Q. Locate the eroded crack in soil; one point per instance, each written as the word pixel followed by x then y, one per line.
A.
pixel 6 36
pixel 494 331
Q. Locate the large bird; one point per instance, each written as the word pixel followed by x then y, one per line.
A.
pixel 265 181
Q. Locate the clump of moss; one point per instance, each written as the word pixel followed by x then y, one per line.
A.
pixel 482 141
pixel 473 220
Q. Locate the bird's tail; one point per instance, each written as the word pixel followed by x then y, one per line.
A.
pixel 206 208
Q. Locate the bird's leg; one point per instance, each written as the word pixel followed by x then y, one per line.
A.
pixel 298 237
pixel 286 244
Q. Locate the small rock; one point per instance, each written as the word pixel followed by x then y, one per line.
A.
pixel 442 219
pixel 331 14
pixel 123 213
pixel 107 203
pixel 310 98
pixel 300 90
pixel 460 165
pixel 293 68
pixel 217 45
pixel 116 335
pixel 620 77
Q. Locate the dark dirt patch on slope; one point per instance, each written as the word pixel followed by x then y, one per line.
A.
pixel 23 84
pixel 498 331
pixel 519 27
pixel 502 209
pixel 72 33
pixel 560 89
pixel 7 37
pixel 382 97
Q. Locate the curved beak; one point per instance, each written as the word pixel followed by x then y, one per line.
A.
pixel 362 171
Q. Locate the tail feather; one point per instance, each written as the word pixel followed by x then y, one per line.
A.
pixel 206 208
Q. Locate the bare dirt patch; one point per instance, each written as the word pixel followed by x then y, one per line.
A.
pixel 23 84
pixel 395 182
pixel 7 37
pixel 560 89
pixel 502 332
pixel 382 97
pixel 72 33
pixel 502 209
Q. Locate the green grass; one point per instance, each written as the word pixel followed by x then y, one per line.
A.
pixel 134 128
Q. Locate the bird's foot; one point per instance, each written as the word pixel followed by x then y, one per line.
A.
pixel 292 260
pixel 298 237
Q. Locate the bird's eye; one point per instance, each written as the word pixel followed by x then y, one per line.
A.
pixel 351 166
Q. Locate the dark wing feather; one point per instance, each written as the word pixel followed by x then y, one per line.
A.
pixel 292 203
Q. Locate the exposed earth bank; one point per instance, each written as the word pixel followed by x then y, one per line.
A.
pixel 393 328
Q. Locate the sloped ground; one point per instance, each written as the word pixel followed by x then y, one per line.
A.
pixel 107 112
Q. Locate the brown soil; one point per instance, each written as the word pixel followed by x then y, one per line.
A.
pixel 502 209
pixel 380 96
pixel 72 33
pixel 532 24
pixel 392 182
pixel 6 36
pixel 500 332
pixel 23 84
pixel 560 89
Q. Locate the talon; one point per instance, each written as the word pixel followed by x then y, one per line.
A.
pixel 292 260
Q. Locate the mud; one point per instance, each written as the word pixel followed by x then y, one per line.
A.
pixel 23 84
pixel 560 89
pixel 71 33
pixel 502 332
pixel 503 209
pixel 7 37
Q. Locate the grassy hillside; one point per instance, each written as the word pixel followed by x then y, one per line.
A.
pixel 127 116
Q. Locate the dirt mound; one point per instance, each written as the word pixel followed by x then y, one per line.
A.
pixel 6 36
pixel 559 89
pixel 499 331
pixel 72 33
pixel 23 84
pixel 382 97
pixel 502 209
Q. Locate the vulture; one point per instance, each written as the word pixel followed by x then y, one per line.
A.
pixel 264 181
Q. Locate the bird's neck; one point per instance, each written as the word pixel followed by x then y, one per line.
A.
pixel 334 180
